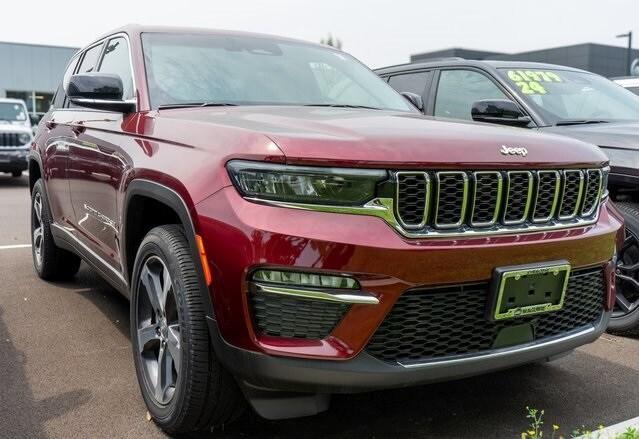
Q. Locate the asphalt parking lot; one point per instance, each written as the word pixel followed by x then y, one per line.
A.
pixel 66 371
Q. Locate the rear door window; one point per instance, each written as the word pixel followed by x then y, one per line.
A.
pixel 90 59
pixel 410 82
pixel 116 60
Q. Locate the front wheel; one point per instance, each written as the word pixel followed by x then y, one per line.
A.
pixel 625 315
pixel 182 383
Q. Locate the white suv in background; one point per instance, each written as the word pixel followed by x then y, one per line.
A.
pixel 629 82
pixel 15 136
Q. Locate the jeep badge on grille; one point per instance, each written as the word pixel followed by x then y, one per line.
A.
pixel 510 150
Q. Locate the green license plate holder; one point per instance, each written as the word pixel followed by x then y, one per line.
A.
pixel 522 290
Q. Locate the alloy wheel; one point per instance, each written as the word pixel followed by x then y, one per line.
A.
pixel 627 277
pixel 37 233
pixel 158 330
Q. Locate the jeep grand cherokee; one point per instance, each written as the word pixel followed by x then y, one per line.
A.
pixel 286 226
pixel 551 99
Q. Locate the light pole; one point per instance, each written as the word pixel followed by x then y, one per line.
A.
pixel 629 53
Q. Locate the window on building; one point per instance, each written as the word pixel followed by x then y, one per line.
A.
pixel 116 60
pixel 36 101
pixel 458 90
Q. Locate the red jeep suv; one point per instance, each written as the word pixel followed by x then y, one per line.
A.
pixel 287 226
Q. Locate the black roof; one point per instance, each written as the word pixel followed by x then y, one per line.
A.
pixel 460 62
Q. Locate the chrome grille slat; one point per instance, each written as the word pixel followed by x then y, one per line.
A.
pixel 546 195
pixel 486 198
pixel 518 197
pixel 414 189
pixel 452 199
pixel 592 191
pixel 443 203
pixel 573 185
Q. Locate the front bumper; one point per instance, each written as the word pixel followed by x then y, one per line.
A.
pixel 240 236
pixel 13 159
pixel 365 373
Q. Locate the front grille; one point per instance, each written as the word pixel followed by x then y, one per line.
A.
pixel 573 186
pixel 482 200
pixel 285 316
pixel 548 183
pixel 414 189
pixel 433 323
pixel 9 139
pixel 452 196
pixel 593 191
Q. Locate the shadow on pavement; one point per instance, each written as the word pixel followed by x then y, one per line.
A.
pixel 21 415
pixel 103 296
pixel 6 180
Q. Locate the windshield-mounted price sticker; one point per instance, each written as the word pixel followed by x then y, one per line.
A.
pixel 530 82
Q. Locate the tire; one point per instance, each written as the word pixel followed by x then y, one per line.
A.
pixel 50 261
pixel 627 323
pixel 16 174
pixel 197 393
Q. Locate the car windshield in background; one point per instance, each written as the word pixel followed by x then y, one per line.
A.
pixel 569 97
pixel 246 70
pixel 12 112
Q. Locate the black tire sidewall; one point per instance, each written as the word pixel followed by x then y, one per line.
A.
pixel 153 245
pixel 630 212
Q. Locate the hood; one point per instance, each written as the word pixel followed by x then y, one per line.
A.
pixel 14 128
pixel 623 135
pixel 357 137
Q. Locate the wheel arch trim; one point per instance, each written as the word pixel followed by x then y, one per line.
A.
pixel 171 198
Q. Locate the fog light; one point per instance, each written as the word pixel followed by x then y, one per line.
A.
pixel 311 286
pixel 305 279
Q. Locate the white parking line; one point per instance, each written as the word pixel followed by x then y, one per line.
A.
pixel 11 247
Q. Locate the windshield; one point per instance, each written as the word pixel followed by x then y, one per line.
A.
pixel 568 96
pixel 12 112
pixel 246 70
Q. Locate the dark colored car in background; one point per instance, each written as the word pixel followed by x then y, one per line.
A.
pixel 287 226
pixel 551 99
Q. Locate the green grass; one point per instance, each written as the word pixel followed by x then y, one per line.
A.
pixel 536 430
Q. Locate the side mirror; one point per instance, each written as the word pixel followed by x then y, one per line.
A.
pixel 35 119
pixel 499 111
pixel 414 99
pixel 101 91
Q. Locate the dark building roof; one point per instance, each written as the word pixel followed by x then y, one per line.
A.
pixel 598 58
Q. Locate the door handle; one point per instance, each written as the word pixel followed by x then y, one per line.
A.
pixel 50 124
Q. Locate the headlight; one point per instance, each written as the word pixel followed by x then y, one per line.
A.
pixel 301 184
pixel 24 138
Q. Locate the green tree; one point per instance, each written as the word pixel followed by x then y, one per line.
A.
pixel 333 42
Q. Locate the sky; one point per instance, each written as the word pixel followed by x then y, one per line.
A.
pixel 377 32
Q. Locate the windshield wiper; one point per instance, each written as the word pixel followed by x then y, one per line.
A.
pixel 342 106
pixel 579 121
pixel 196 104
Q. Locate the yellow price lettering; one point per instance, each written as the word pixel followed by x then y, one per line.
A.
pixel 514 76
pixel 553 76
pixel 531 88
